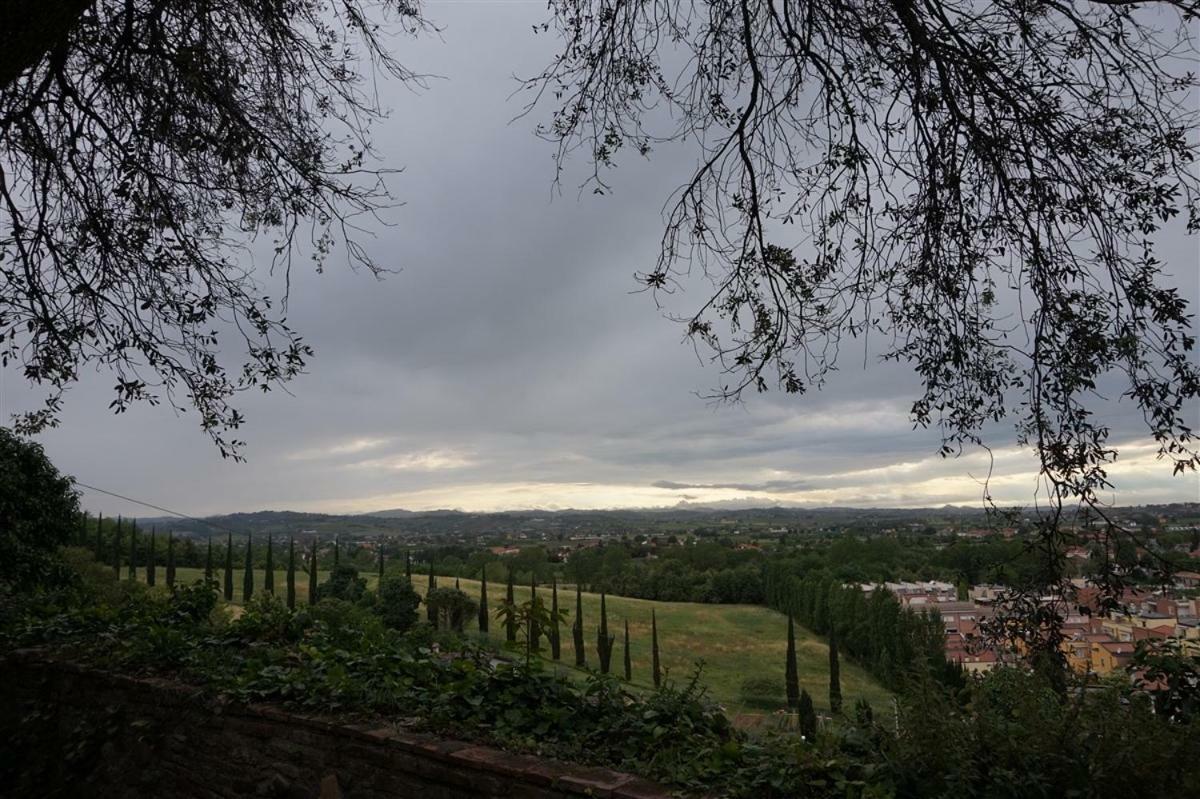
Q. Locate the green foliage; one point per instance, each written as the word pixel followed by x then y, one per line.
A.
pixel 248 571
pixel 483 603
pixel 1012 735
pixel 38 510
pixel 343 583
pixel 1171 676
pixel 229 568
pixel 806 716
pixel 291 573
pixel 835 679
pixel 451 607
pixel 398 603
pixel 577 629
pixel 604 641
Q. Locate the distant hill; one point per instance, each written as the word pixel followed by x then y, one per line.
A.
pixel 390 522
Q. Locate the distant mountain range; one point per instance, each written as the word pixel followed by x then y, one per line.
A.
pixel 399 520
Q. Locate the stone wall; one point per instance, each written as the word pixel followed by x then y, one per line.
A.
pixel 124 736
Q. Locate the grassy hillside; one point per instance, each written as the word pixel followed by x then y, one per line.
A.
pixel 734 641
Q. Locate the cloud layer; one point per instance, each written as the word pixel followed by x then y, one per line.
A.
pixel 508 363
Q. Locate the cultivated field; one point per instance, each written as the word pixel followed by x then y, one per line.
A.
pixel 734 641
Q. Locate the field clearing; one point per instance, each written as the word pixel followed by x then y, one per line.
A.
pixel 735 641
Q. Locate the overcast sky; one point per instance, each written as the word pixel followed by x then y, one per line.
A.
pixel 509 364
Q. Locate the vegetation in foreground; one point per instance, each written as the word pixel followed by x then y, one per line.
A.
pixel 1009 735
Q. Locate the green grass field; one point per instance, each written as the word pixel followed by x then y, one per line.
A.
pixel 735 641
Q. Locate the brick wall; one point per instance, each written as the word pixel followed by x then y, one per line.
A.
pixel 124 736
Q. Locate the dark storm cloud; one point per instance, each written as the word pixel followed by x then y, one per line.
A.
pixel 508 362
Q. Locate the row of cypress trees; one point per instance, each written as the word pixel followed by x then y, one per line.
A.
pixel 604 640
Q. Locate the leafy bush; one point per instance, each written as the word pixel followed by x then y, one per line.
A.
pixel 398 602
pixel 761 692
pixel 343 583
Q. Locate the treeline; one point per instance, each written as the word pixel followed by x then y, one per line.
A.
pixel 891 642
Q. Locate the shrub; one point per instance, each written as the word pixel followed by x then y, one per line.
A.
pixel 398 603
pixel 343 583
pixel 761 692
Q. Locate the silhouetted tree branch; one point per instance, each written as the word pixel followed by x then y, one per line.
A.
pixel 144 144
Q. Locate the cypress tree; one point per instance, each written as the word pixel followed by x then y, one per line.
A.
pixel 151 577
pixel 483 605
pixel 100 538
pixel 430 613
pixel 208 561
pixel 312 574
pixel 577 628
pixel 628 659
pixel 807 716
pixel 248 571
pixel 555 641
pixel 535 632
pixel 269 577
pixel 380 562
pixel 835 675
pixel 791 674
pixel 229 568
pixel 337 551
pixel 82 536
pixel 291 573
pixel 131 572
pixel 408 565
pixel 655 664
pixel 604 641
pixel 510 627
pixel 457 584
pixel 171 559
pixel 117 550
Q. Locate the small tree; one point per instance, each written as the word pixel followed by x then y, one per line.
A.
pixel 577 629
pixel 535 631
pixel 100 538
pixel 656 665
pixel 208 561
pixel 408 565
pixel 291 573
pixel 131 572
pixel 343 583
pixel 117 540
pixel 555 640
pixel 337 551
pixel 604 641
pixel 229 568
pixel 807 716
pixel 171 559
pixel 381 561
pixel 791 676
pixel 398 603
pixel 483 601
pixel 312 574
pixel 248 572
pixel 451 607
pixel 151 577
pixel 628 657
pixel 835 674
pixel 269 575
pixel 39 507
pixel 510 622
pixel 529 614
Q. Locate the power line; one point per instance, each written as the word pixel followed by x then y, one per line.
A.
pixel 156 507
